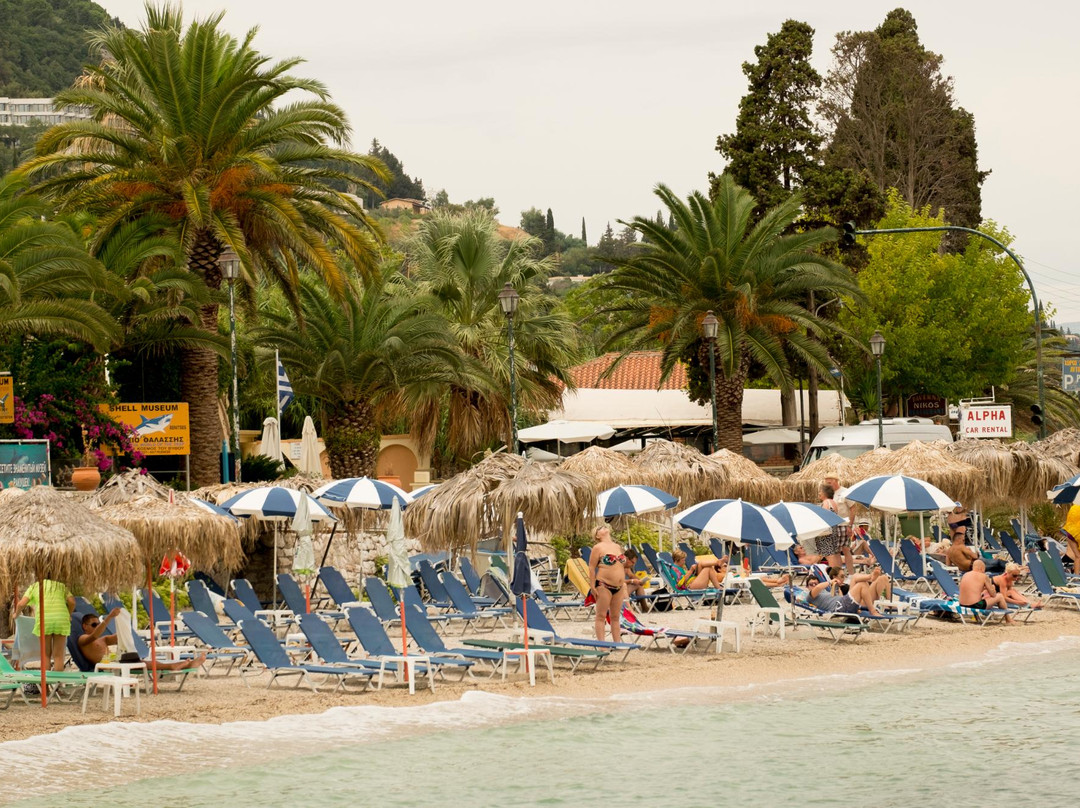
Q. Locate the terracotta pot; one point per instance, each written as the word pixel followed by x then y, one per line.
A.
pixel 85 478
pixel 391 479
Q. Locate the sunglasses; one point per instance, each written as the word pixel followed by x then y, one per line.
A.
pixel 94 625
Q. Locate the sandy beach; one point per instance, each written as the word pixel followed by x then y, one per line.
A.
pixel 763 660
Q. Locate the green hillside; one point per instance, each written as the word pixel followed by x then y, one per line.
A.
pixel 43 44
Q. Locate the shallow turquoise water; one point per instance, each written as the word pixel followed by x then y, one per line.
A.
pixel 1001 731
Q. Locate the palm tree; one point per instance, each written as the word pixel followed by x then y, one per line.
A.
pixel 754 278
pixel 460 263
pixel 47 278
pixel 367 360
pixel 192 124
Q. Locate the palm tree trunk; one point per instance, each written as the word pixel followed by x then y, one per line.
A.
pixel 352 440
pixel 729 398
pixel 199 373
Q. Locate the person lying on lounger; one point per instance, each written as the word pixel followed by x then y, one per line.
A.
pixel 700 575
pixel 977 591
pixel 843 594
pixel 94 643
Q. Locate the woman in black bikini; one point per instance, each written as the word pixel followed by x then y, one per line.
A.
pixel 606 572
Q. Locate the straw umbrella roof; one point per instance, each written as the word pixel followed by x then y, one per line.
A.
pixel 684 471
pixel 127 486
pixel 606 467
pixel 1016 474
pixel 931 462
pixel 1064 445
pixel 44 532
pixel 748 480
pixel 551 499
pixel 802 486
pixel 163 527
pixel 457 513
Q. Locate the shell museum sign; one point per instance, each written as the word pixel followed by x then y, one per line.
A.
pixel 986 421
pixel 160 429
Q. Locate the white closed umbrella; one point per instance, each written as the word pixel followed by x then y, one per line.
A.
pixel 398 573
pixel 304 554
pixel 270 446
pixel 309 449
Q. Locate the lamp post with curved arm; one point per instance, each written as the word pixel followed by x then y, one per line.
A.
pixel 709 327
pixel 508 302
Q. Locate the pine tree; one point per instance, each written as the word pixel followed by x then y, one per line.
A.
pixel 775 143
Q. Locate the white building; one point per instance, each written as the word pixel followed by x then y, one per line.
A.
pixel 24 111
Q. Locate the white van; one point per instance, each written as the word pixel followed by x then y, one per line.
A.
pixel 852 441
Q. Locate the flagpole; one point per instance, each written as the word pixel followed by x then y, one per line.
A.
pixel 277 390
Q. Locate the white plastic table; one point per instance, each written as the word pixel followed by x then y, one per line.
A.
pixel 125 669
pixel 722 627
pixel 406 667
pixel 117 684
pixel 527 656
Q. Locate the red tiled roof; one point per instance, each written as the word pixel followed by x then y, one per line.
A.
pixel 638 371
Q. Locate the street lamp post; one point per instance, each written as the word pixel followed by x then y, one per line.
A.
pixel 877 347
pixel 848 237
pixel 508 301
pixel 709 327
pixel 230 271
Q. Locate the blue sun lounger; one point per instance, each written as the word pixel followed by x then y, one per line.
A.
pixel 295 600
pixel 468 572
pixel 542 627
pixel 221 647
pixel 337 587
pixel 427 639
pixel 266 648
pixel 460 600
pixel 889 566
pixel 376 642
pixel 1058 563
pixel 330 651
pixel 1042 583
pixel 199 595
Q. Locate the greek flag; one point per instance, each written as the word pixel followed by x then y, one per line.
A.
pixel 284 387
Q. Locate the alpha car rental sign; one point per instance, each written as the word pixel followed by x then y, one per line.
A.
pixel 986 421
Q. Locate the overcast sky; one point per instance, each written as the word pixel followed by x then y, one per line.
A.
pixel 584 106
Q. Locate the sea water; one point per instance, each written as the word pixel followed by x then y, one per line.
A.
pixel 1003 730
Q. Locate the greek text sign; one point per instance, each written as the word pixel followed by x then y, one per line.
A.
pixel 24 463
pixel 160 429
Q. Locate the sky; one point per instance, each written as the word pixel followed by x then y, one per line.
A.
pixel 584 107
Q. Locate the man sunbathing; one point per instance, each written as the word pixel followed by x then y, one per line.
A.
pixel 94 644
pixel 977 591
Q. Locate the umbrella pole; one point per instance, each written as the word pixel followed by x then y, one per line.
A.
pixel 172 612
pixel 525 622
pixel 274 576
pixel 41 631
pixel 404 638
pixel 322 563
pixel 150 604
pixel 922 541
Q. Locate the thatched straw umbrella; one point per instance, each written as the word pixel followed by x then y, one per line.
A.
pixel 1063 445
pixel 550 498
pixel 1035 473
pixel 165 528
pixel 457 513
pixel 746 479
pixel 127 486
pixel 930 462
pixel 683 471
pixel 802 486
pixel 606 467
pixel 44 534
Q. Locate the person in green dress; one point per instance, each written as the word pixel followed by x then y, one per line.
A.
pixel 59 604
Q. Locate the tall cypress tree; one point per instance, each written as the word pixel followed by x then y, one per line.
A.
pixel 775 144
pixel 584 238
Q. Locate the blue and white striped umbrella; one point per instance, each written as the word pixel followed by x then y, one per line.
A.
pixel 416 493
pixel 627 499
pixel 895 493
pixel 210 506
pixel 274 502
pixel 804 520
pixel 1066 492
pixel 361 492
pixel 737 521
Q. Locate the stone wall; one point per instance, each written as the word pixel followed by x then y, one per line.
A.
pixel 353 554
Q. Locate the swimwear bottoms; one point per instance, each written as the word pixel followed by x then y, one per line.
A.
pixel 979 605
pixel 612 589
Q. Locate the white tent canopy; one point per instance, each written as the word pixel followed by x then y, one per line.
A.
pixel 566 432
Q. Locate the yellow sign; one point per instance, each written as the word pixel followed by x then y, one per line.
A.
pixel 7 399
pixel 160 429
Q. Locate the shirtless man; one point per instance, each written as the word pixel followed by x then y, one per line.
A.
pixel 977 591
pixel 94 643
pixel 962 556
pixel 843 532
